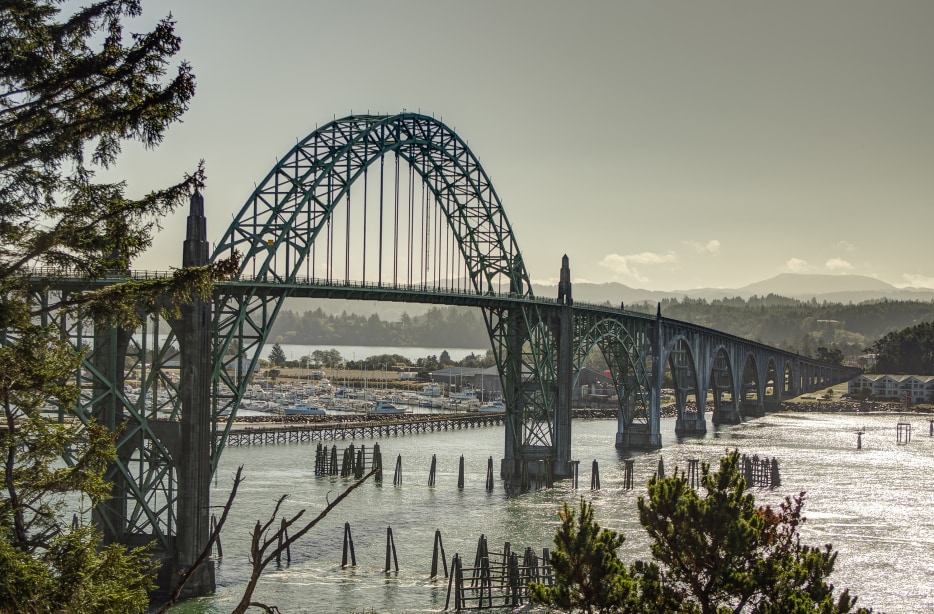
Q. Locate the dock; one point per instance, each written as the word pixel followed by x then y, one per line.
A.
pixel 256 434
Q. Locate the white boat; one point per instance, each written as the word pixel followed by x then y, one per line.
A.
pixel 303 409
pixel 467 394
pixel 385 407
pixel 430 390
pixel 496 407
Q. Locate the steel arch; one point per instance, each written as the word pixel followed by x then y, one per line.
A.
pixel 276 229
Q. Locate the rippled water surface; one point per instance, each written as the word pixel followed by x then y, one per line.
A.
pixel 874 505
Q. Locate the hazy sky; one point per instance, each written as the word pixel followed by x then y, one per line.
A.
pixel 664 145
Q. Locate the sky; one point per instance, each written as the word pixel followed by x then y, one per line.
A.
pixel 666 145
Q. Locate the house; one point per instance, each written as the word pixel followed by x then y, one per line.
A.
pixel 918 388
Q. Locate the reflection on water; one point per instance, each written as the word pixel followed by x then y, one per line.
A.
pixel 871 504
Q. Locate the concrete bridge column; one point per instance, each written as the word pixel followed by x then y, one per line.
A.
pixel 692 424
pixel 565 336
pixel 728 377
pixel 190 444
pixel 648 436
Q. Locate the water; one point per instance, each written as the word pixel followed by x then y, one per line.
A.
pixel 873 505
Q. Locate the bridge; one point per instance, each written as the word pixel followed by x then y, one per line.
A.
pixel 389 208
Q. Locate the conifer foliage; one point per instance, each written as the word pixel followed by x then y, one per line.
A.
pixel 712 553
pixel 73 88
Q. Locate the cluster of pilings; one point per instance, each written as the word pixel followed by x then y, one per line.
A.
pixel 760 472
pixel 354 460
pixel 496 579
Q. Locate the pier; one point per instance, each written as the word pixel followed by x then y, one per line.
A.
pixel 256 434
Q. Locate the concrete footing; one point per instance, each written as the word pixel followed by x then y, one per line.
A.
pixel 638 439
pixel 726 415
pixel 690 425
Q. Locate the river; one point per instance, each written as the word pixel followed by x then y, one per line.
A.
pixel 874 505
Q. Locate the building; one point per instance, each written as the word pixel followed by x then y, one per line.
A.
pixel 918 388
pixel 592 386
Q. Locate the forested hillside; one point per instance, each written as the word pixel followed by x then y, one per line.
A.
pixel 448 327
pixel 800 326
pixel 906 351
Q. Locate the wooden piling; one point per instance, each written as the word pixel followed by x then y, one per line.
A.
pixel 661 468
pixel 438 551
pixel 595 476
pixel 628 473
pixel 433 470
pixel 378 463
pixel 391 549
pixel 397 476
pixel 455 585
pixel 332 467
pixel 348 548
pixel 694 472
pixel 775 479
pixel 460 474
pixel 283 539
pixel 903 432
pixel 489 475
pixel 217 542
pixel 359 465
pixel 574 471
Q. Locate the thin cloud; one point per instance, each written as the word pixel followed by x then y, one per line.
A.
pixel 624 266
pixel 710 247
pixel 918 281
pixel 797 265
pixel 836 265
pixel 845 246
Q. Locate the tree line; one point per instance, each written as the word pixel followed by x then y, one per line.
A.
pixel 454 327
pixel 799 326
pixel 829 331
pixel 906 351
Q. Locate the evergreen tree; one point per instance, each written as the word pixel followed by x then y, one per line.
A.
pixel 73 89
pixel 589 576
pixel 277 356
pixel 721 552
pixel 711 554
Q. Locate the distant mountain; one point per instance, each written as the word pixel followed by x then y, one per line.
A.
pixel 823 288
pixel 795 285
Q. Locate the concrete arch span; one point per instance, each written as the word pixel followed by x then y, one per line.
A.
pixel 686 383
pixel 626 350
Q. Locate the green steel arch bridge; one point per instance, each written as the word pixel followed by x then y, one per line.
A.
pixel 390 208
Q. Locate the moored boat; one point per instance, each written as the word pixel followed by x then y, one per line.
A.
pixel 495 407
pixel 430 390
pixel 385 407
pixel 303 409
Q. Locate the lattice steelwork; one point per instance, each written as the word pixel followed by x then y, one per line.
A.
pixel 385 203
pixel 625 343
pixel 125 386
